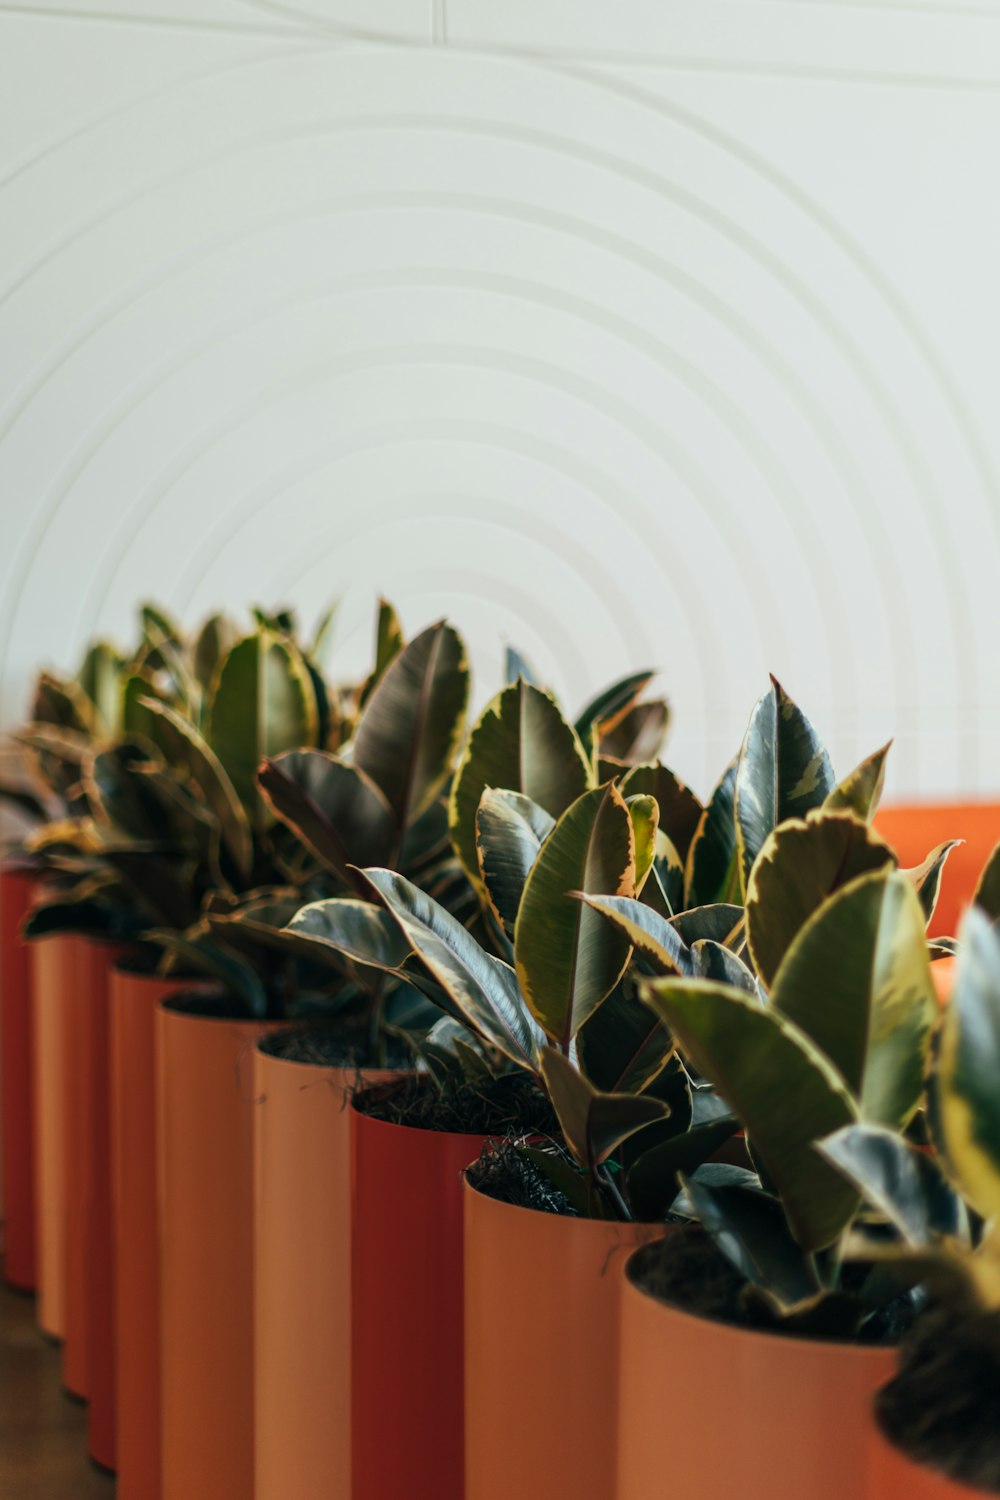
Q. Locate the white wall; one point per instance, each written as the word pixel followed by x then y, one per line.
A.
pixel 661 331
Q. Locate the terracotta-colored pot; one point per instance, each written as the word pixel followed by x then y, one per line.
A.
pixel 407 1339
pixel 893 1476
pixel 943 974
pixel 17 1053
pixel 204 1082
pixel 133 999
pixel 51 967
pixel 708 1411
pixel 88 1342
pixel 542 1311
pixel 915 830
pixel 302 1276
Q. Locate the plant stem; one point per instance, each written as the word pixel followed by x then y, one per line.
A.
pixel 607 1181
pixel 376 1031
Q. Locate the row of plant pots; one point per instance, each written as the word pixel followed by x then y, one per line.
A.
pixel 594 1096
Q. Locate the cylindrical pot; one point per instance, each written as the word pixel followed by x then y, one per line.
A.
pixel 913 831
pixel 88 1337
pixel 542 1311
pixel 133 999
pixel 51 971
pixel 708 1411
pixel 204 1082
pixel 893 1476
pixel 302 1274
pixel 17 1068
pixel 407 1338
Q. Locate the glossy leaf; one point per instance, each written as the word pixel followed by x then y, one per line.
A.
pixel 337 812
pixel 680 809
pixel 652 935
pixel 969 1099
pixel 623 1046
pixel 100 679
pixel 638 733
pixel 645 815
pixel 510 830
pixel 564 1177
pixel 926 878
pixel 515 666
pixel 801 864
pixel 612 702
pixel 263 704
pixel 857 980
pixel 483 989
pixel 720 923
pixel 411 726
pixel 783 772
pixel 898 1179
pixel 118 794
pixel 364 933
pixel 653 1179
pixel 712 870
pixel 593 1123
pixel 987 894
pixel 215 640
pixel 710 960
pixel 62 705
pixel 752 1232
pixel 568 958
pixel 184 748
pixel 861 791
pixel 520 742
pixel 781 1087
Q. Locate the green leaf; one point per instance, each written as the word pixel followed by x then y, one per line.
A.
pixel 611 702
pixel 482 989
pixel 857 981
pixel 263 703
pixel 712 871
pixel 801 864
pixel 62 705
pixel 901 1181
pixel 593 1123
pixel 680 809
pixel 215 640
pixel 752 1232
pixel 719 923
pixel 926 878
pixel 334 809
pixel 969 1099
pixel 637 734
pixel 710 960
pixel 389 642
pixel 185 750
pixel 411 726
pixel 653 1179
pixel 651 934
pixel 563 1175
pixel 780 1086
pixel 510 830
pixel 100 679
pixel 323 634
pixel 645 815
pixel 861 791
pixel 567 957
pixel 516 666
pixel 783 772
pixel 987 894
pixel 199 951
pixel 623 1047
pixel 355 929
pixel 521 742
pixel 118 794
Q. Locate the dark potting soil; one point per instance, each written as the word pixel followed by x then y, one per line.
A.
pixel 504 1173
pixel 336 1045
pixel 509 1105
pixel 942 1408
pixel 688 1271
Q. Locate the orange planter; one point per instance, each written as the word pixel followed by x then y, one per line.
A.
pixel 17 1063
pixel 542 1305
pixel 914 831
pixel 133 999
pixel 51 966
pixel 204 1081
pixel 407 1341
pixel 892 1476
pixel 747 1414
pixel 302 1276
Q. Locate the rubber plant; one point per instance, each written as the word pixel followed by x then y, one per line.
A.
pixel 943 1203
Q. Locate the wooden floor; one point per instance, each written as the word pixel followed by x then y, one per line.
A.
pixel 43 1432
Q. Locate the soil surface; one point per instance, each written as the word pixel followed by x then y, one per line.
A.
pixel 333 1045
pixel 503 1173
pixel 507 1106
pixel 943 1407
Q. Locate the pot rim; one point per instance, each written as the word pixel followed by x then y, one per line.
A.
pixel 181 1006
pixel 843 1349
pixel 509 1209
pixel 415 1130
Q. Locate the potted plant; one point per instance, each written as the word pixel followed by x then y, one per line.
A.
pixel 835 1026
pixel 936 1433
pixel 378 798
pixel 410 1140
